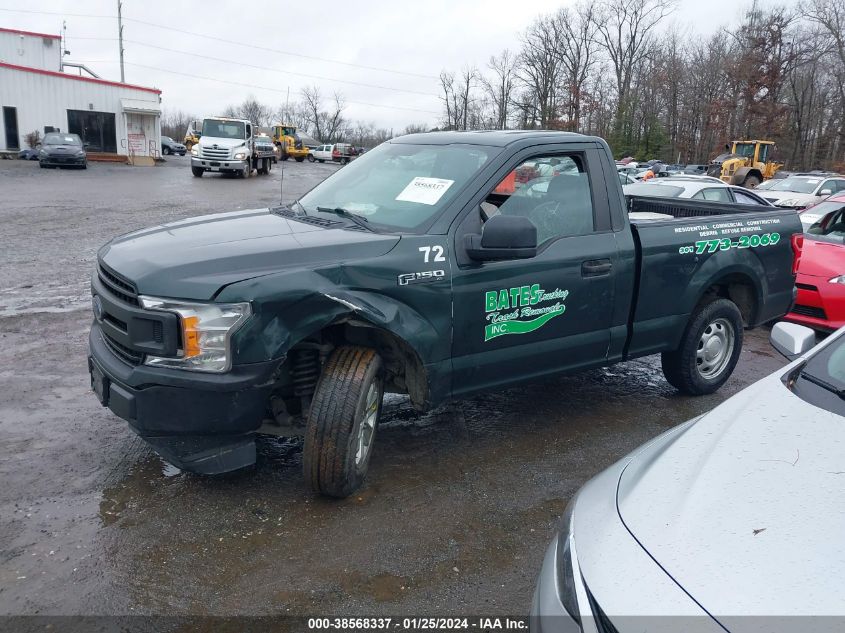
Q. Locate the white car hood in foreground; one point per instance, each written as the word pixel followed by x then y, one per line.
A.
pixel 745 509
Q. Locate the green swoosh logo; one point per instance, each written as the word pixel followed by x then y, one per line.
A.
pixel 519 327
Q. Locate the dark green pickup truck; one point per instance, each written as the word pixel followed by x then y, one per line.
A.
pixel 437 265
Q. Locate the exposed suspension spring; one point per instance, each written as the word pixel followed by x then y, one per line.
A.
pixel 305 370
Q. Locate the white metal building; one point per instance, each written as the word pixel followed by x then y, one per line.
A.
pixel 111 117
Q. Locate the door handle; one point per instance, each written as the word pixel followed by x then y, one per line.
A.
pixel 596 267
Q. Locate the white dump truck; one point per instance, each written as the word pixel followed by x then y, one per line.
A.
pixel 231 146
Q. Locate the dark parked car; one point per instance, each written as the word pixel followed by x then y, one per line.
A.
pixel 169 146
pixel 62 150
pixel 29 154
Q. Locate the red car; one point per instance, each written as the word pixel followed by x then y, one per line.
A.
pixel 821 270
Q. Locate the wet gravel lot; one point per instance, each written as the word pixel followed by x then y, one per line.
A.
pixel 456 513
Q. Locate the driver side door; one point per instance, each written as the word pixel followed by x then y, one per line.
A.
pixel 525 318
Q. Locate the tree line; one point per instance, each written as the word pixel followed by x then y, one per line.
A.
pixel 312 113
pixel 620 70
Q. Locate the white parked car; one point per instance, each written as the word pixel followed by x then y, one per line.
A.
pixel 801 191
pixel 322 153
pixel 695 187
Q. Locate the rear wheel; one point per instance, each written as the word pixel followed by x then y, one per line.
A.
pixel 342 421
pixel 197 172
pixel 709 349
pixel 299 159
pixel 344 160
pixel 751 182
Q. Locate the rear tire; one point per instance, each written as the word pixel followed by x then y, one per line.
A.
pixel 342 421
pixel 709 349
pixel 299 159
pixel 197 172
pixel 751 182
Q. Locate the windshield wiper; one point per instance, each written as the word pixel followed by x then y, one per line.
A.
pixel 823 384
pixel 358 219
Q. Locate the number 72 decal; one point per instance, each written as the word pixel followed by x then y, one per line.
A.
pixel 432 253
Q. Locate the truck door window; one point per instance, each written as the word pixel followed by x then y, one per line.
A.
pixel 717 194
pixel 551 191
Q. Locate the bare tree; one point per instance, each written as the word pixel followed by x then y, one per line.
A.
pixel 252 110
pixel 327 125
pixel 539 69
pixel 500 86
pixel 576 33
pixel 626 30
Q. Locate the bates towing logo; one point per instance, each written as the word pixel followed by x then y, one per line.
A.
pixel 512 311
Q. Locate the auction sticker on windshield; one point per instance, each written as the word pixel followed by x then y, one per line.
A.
pixel 425 190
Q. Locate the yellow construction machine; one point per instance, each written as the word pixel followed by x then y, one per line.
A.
pixel 746 163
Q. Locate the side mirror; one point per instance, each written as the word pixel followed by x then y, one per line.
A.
pixel 503 237
pixel 792 340
pixel 825 192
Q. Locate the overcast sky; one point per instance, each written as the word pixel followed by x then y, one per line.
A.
pixel 357 43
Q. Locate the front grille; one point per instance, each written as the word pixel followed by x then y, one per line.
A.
pixel 810 311
pixel 216 154
pixel 121 351
pixel 117 286
pixel 807 287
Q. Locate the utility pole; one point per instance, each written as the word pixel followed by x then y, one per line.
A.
pixel 120 38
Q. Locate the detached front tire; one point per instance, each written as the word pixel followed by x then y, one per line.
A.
pixel 709 349
pixel 342 421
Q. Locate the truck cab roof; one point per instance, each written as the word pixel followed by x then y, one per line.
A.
pixel 493 138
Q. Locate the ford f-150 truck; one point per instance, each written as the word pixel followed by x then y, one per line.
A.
pixel 425 267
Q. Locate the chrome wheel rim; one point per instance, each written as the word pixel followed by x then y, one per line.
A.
pixel 715 348
pixel 367 428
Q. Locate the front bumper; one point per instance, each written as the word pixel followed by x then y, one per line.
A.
pixel 203 423
pixel 210 164
pixel 819 304
pixel 62 160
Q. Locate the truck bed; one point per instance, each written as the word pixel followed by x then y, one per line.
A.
pixel 698 244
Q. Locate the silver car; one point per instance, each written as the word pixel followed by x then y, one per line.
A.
pixel 732 521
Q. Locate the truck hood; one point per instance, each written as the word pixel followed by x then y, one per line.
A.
pixel 222 143
pixel 196 257
pixel 744 508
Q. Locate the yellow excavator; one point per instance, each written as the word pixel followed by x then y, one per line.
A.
pixel 288 141
pixel 745 163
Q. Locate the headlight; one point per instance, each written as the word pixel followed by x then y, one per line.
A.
pixel 786 203
pixel 42 152
pixel 240 156
pixel 194 151
pixel 80 153
pixel 837 280
pixel 566 569
pixel 207 330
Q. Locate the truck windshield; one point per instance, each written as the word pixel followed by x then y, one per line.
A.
pixel 745 149
pixel 398 185
pixel 223 129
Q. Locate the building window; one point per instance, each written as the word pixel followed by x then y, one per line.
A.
pixel 96 129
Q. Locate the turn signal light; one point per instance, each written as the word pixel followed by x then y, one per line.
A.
pixel 190 336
